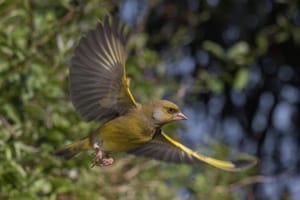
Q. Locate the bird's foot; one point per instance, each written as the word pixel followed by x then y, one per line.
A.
pixel 98 155
pixel 107 161
pixel 102 162
pixel 100 158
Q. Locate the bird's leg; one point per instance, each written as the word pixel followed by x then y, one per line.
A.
pixel 101 158
pixel 99 154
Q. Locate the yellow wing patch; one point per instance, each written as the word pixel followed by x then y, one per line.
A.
pixel 245 162
pixel 126 83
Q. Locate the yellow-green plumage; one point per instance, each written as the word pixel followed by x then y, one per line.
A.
pixel 126 132
pixel 99 89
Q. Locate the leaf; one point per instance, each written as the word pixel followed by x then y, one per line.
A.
pixel 261 43
pixel 215 84
pixel 238 52
pixel 241 79
pixel 41 186
pixel 10 110
pixel 213 48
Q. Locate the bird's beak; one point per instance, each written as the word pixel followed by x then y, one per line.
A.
pixel 179 116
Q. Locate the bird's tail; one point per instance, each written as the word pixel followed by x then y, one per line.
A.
pixel 72 149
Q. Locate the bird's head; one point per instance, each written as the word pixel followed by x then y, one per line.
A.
pixel 165 111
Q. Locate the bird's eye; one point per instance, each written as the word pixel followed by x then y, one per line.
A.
pixel 171 110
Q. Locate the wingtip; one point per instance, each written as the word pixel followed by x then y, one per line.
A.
pixel 244 162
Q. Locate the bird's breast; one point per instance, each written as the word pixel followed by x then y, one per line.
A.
pixel 125 133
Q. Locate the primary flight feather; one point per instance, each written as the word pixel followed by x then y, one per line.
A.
pixel 99 90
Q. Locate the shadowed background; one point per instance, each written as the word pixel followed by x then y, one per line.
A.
pixel 233 66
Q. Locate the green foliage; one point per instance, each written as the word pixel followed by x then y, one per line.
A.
pixel 36 116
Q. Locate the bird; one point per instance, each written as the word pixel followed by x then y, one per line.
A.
pixel 100 90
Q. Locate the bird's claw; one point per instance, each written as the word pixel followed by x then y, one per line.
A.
pixel 107 161
pixel 100 159
pixel 103 162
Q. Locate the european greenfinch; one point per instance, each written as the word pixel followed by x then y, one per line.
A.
pixel 100 90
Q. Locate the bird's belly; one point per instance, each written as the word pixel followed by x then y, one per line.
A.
pixel 117 146
pixel 120 139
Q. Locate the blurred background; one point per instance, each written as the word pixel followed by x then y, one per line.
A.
pixel 232 65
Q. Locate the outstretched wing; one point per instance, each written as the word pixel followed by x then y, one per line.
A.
pixel 98 83
pixel 164 148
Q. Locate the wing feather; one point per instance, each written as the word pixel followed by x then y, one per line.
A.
pixel 164 148
pixel 98 83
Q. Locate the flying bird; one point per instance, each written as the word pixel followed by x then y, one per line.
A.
pixel 99 89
